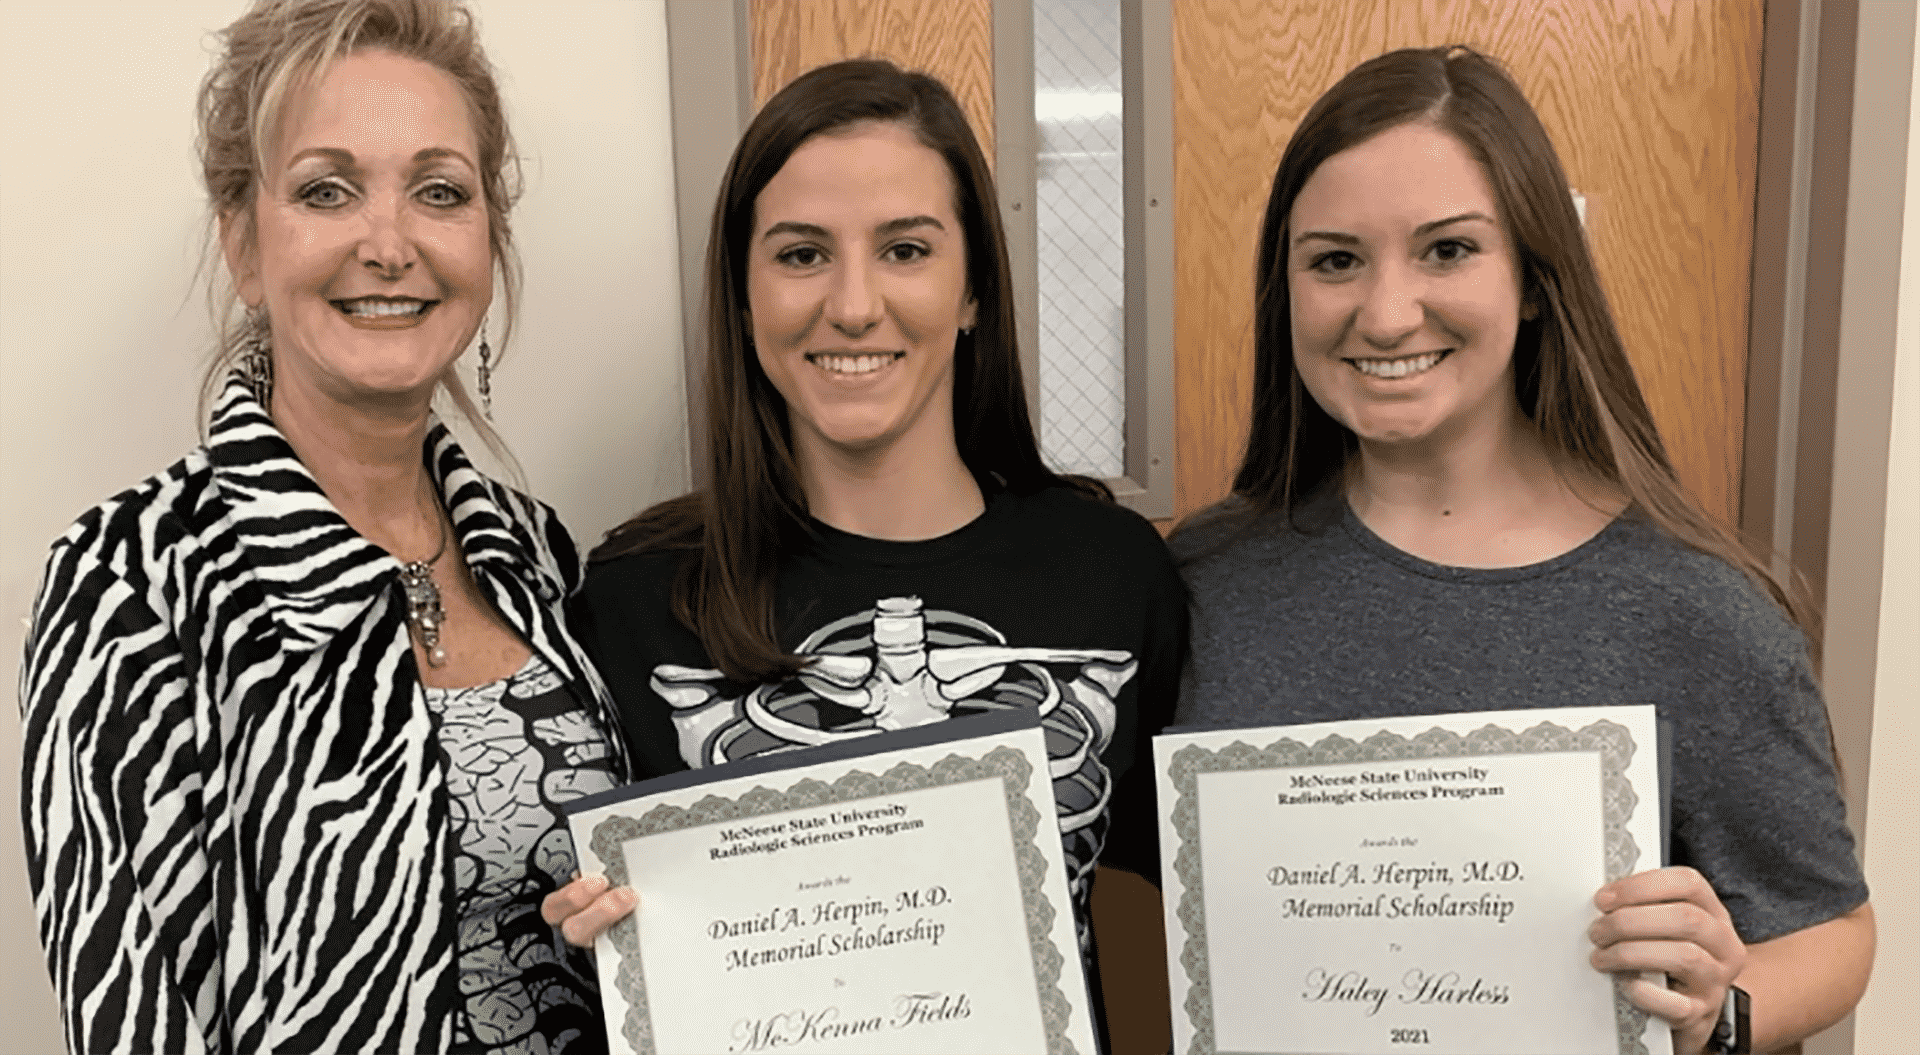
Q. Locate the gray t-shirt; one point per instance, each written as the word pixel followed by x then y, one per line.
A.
pixel 1322 620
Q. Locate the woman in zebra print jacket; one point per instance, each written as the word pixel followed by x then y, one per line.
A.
pixel 301 710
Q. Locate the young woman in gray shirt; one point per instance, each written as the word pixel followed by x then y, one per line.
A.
pixel 1454 498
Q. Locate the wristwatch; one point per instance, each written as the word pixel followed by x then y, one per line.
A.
pixel 1733 1034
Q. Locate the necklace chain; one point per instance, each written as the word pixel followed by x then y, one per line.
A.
pixel 424 611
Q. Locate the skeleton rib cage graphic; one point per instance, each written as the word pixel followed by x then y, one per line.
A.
pixel 898 665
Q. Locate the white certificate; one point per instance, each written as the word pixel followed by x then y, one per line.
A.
pixel 1405 885
pixel 905 893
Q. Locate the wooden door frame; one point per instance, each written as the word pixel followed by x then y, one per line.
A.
pixel 1146 484
pixel 1799 249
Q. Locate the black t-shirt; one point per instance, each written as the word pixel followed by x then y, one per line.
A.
pixel 1085 591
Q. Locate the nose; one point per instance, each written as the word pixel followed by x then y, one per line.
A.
pixel 386 247
pixel 1393 308
pixel 853 305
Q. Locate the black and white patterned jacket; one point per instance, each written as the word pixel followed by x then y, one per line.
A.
pixel 236 812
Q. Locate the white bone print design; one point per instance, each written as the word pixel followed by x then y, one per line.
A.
pixel 898 665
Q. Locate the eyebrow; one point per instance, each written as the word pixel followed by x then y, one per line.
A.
pixel 1343 238
pixel 1435 225
pixel 1336 237
pixel 435 153
pixel 342 158
pixel 891 227
pixel 908 223
pixel 345 159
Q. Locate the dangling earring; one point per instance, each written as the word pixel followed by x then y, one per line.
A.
pixel 486 373
pixel 256 363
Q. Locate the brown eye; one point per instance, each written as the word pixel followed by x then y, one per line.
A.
pixel 905 252
pixel 1450 251
pixel 801 256
pixel 1336 262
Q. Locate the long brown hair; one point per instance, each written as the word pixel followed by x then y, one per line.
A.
pixel 736 532
pixel 1571 371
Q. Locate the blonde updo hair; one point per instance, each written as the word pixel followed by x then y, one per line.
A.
pixel 278 48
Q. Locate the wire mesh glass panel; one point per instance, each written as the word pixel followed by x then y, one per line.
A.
pixel 1081 219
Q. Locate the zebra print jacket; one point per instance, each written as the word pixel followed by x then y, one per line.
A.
pixel 236 813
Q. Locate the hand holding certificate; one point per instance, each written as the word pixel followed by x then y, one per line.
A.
pixel 1405 885
pixel 901 894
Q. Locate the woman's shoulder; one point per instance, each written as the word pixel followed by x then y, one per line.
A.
pixel 675 526
pixel 133 545
pixel 1233 532
pixel 635 568
pixel 1685 575
pixel 1083 545
pixel 628 598
pixel 164 510
pixel 1066 512
pixel 635 565
pixel 1695 593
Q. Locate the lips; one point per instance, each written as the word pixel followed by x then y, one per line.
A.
pixel 384 309
pixel 1405 366
pixel 853 364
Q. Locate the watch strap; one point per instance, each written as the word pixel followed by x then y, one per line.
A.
pixel 1733 1034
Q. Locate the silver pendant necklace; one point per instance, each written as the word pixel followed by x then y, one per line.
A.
pixel 424 611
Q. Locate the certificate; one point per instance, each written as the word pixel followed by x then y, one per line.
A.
pixel 1406 884
pixel 903 893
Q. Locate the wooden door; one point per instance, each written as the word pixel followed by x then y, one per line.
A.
pixel 1653 106
pixel 951 39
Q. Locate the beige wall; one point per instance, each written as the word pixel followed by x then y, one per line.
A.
pixel 101 334
pixel 1888 1019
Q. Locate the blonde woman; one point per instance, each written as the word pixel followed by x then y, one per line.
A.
pixel 301 709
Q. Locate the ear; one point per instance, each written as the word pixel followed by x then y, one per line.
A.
pixel 969 313
pixel 239 237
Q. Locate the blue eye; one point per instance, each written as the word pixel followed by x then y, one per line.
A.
pixel 445 195
pixel 326 193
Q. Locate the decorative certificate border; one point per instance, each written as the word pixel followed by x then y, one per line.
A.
pixel 1007 764
pixel 1613 742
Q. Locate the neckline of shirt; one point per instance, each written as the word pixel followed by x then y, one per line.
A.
pixel 833 544
pixel 533 667
pixel 1365 537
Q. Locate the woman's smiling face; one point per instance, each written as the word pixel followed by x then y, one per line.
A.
pixel 370 249
pixel 857 290
pixel 1405 290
